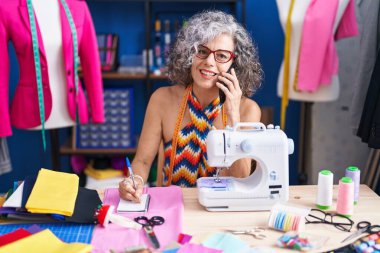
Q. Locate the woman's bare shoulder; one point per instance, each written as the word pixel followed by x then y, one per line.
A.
pixel 249 110
pixel 167 96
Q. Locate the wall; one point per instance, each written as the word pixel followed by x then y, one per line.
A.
pixel 127 20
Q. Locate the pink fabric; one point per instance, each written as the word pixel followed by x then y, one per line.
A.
pixel 165 201
pixel 15 27
pixel 184 238
pixel 348 25
pixel 318 60
pixel 195 248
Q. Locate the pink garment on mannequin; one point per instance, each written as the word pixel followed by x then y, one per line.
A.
pixel 15 27
pixel 318 60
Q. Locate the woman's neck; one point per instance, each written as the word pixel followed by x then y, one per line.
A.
pixel 205 96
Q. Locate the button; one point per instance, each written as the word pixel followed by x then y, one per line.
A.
pixel 246 146
pixel 71 90
pixel 273 175
pixel 270 126
pixel 69 72
pixel 274 196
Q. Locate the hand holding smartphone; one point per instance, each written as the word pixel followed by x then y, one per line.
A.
pixel 222 96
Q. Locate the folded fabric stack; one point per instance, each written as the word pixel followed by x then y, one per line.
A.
pixel 50 196
pixel 102 174
pixel 54 192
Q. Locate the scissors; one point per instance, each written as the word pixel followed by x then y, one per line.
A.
pixel 363 227
pixel 148 225
pixel 256 232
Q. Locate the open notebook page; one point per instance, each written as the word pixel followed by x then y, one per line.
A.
pixel 129 206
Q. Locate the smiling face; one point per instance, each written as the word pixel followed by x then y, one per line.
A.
pixel 205 71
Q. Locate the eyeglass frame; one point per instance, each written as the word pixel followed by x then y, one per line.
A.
pixel 338 225
pixel 232 55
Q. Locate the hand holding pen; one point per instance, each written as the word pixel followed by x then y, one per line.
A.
pixel 131 188
pixel 130 171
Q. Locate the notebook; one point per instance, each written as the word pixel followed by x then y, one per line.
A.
pixel 129 206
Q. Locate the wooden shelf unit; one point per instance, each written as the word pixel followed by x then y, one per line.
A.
pixel 69 149
pixel 125 76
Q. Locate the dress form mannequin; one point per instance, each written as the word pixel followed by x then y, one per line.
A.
pixel 19 26
pixel 49 22
pixel 325 92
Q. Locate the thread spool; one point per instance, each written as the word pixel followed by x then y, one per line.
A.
pixel 354 173
pixel 345 203
pixel 325 189
pixel 287 218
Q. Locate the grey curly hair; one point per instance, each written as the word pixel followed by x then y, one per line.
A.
pixel 204 27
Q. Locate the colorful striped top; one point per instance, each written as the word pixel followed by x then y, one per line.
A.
pixel 190 159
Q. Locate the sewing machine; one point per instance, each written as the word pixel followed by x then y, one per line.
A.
pixel 268 184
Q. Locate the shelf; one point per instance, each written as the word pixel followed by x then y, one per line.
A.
pixel 154 76
pixel 67 149
pixel 123 76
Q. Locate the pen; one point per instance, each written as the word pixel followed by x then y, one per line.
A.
pixel 130 172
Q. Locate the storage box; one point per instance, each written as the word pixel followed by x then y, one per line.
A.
pixel 117 132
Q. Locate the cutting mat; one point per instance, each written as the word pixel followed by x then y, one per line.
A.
pixel 67 232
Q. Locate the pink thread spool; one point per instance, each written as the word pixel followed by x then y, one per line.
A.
pixel 345 204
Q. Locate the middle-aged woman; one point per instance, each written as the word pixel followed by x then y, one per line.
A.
pixel 182 115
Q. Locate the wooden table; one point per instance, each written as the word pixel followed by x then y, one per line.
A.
pixel 200 222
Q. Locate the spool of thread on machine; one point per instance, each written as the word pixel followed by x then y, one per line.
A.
pixel 354 173
pixel 345 203
pixel 325 189
pixel 285 217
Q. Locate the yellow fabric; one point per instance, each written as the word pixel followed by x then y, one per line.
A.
pixel 53 192
pixel 2 200
pixel 45 242
pixel 102 174
pixel 285 87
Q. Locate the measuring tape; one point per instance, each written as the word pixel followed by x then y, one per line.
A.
pixel 37 62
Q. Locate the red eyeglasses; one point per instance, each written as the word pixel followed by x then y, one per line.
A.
pixel 221 56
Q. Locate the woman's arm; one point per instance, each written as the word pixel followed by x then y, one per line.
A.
pixel 150 138
pixel 249 112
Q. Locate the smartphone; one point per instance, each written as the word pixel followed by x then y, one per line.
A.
pixel 222 96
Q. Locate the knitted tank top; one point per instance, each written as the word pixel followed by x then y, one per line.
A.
pixel 189 160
